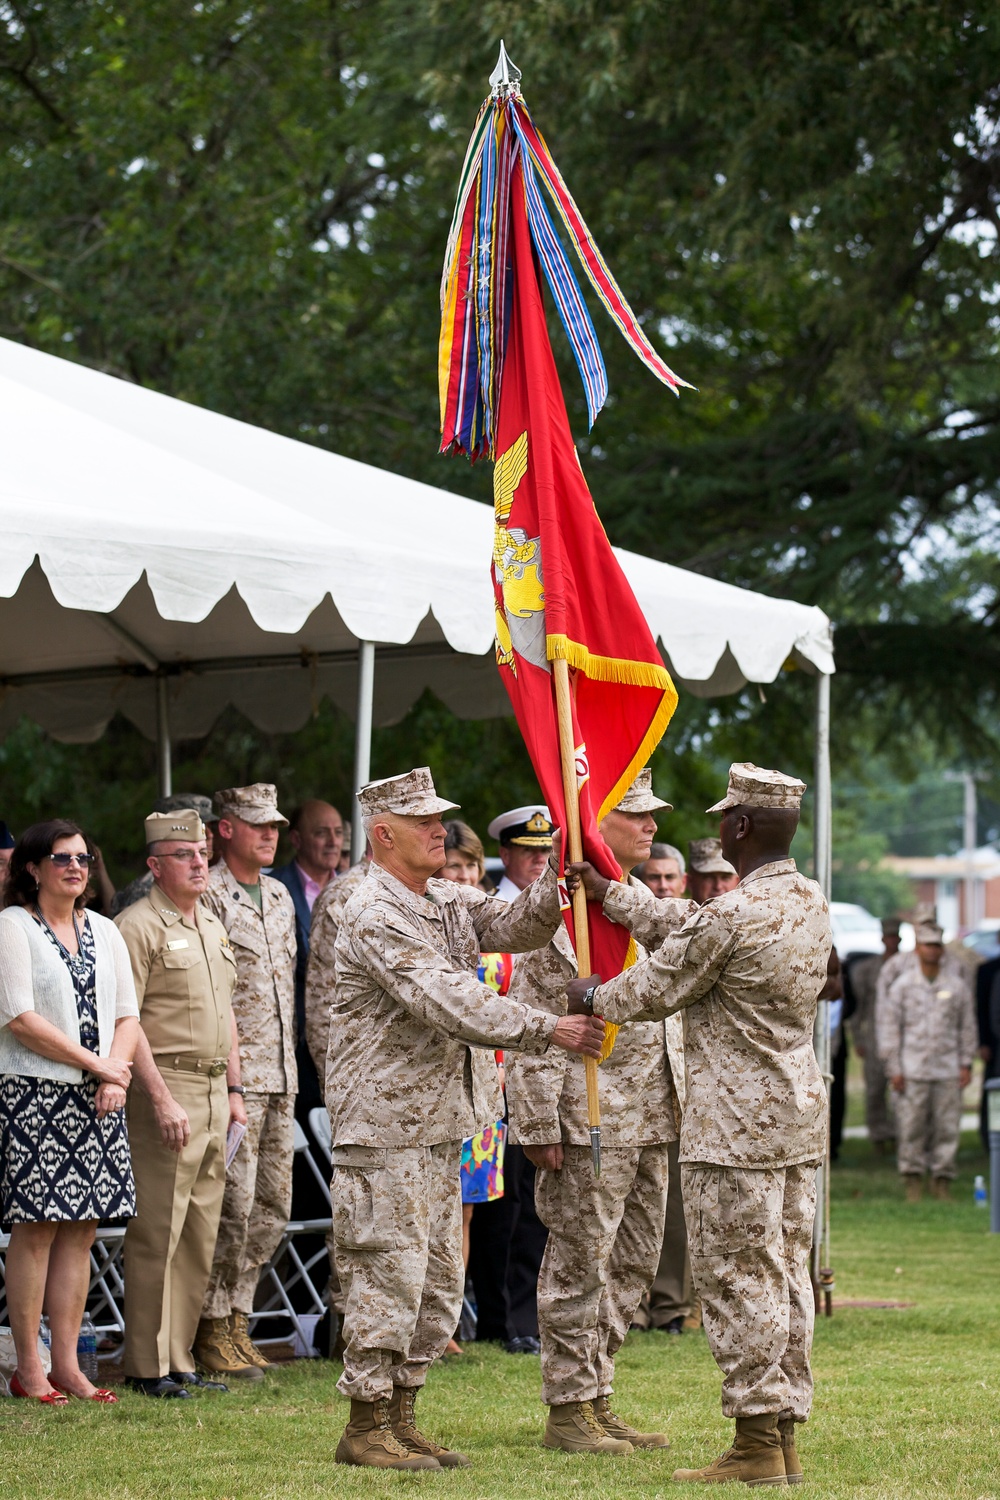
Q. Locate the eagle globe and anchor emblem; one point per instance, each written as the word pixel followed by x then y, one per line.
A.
pixel 517 568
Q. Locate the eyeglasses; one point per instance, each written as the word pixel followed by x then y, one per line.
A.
pixel 186 856
pixel 63 861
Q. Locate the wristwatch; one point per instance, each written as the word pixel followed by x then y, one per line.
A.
pixel 236 1088
pixel 588 1000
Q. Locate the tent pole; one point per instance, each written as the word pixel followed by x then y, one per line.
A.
pixel 822 1274
pixel 164 774
pixel 362 741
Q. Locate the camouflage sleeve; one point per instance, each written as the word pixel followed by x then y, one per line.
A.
pixel 889 1027
pixel 535 1084
pixel 968 1035
pixel 647 918
pixel 681 971
pixel 516 926
pixel 425 983
pixel 321 975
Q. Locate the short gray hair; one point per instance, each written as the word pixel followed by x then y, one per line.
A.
pixel 666 851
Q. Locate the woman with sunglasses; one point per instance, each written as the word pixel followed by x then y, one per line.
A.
pixel 68 1029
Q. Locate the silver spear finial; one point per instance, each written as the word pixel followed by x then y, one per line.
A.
pixel 505 77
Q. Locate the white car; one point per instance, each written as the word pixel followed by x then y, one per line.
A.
pixel 856 930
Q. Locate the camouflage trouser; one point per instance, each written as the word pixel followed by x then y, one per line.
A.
pixel 397 1227
pixel 669 1297
pixel 256 1205
pixel 750 1236
pixel 878 1109
pixel 603 1247
pixel 928 1122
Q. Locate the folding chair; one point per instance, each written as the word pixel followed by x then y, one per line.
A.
pixel 300 1277
pixel 106 1308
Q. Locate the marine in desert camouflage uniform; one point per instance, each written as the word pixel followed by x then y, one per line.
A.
pixel 746 969
pixel 259 918
pixel 927 1037
pixel 407 1017
pixel 605 1232
pixel 862 1028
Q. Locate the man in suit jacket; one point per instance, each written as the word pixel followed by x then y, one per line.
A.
pixel 316 833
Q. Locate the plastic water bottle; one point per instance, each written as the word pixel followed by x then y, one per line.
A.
pixel 979 1192
pixel 86 1348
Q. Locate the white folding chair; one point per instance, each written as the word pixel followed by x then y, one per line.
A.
pixel 288 1270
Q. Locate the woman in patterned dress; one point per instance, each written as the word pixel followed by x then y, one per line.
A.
pixel 68 1029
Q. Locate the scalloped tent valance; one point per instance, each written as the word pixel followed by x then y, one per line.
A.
pixel 145 539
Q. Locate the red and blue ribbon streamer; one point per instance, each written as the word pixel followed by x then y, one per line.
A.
pixel 475 284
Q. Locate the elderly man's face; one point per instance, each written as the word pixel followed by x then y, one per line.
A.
pixel 664 878
pixel 522 865
pixel 318 838
pixel 180 868
pixel 628 835
pixel 415 843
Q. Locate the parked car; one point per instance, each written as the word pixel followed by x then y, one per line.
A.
pixel 985 941
pixel 856 930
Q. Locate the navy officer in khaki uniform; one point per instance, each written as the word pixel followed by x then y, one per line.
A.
pixel 187 1075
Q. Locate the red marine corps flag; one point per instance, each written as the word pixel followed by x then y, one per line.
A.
pixel 587 683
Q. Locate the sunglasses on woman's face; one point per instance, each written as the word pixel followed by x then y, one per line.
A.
pixel 63 861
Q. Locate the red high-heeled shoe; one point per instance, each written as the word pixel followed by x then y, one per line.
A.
pixel 106 1398
pixel 53 1398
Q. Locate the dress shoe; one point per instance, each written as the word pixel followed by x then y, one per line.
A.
pixel 675 1326
pixel 156 1385
pixel 526 1344
pixel 192 1378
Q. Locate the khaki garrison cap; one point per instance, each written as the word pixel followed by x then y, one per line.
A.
pixel 184 824
pixel 409 796
pixel 750 786
pixel 253 804
pixel 705 858
pixel 525 827
pixel 639 798
pixel 928 932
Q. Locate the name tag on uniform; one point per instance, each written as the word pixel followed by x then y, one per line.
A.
pixel 944 994
pixel 176 943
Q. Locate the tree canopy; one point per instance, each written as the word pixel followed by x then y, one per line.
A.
pixel 245 205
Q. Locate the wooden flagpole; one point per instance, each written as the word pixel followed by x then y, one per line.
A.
pixel 574 850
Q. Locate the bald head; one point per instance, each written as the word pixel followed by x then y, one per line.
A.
pixel 316 833
pixel 755 836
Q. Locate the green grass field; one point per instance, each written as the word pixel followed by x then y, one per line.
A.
pixel 907 1400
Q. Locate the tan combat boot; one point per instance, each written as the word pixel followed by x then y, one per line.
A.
pixel 216 1354
pixel 404 1425
pixel 756 1456
pixel 575 1429
pixel 941 1188
pixel 914 1184
pixel 369 1440
pixel 616 1428
pixel 239 1332
pixel 786 1431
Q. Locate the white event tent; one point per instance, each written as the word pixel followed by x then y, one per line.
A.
pixel 162 560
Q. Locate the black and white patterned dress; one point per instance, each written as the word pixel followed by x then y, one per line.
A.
pixel 58 1161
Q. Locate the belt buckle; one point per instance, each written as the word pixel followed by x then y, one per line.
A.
pixel 216 1069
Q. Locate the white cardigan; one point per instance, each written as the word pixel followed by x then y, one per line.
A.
pixel 34 977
